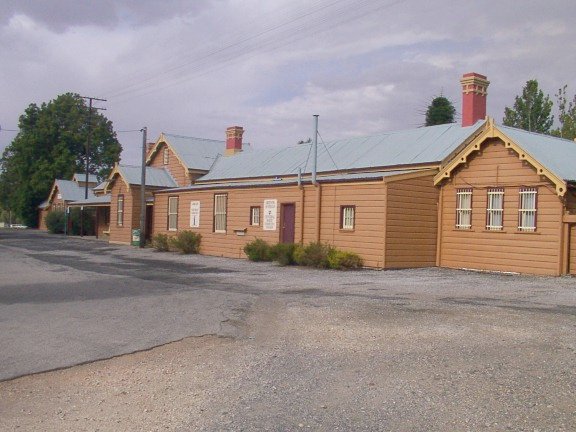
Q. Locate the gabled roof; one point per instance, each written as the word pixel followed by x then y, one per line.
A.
pixel 70 190
pixel 552 157
pixel 193 153
pixel 131 174
pixel 81 177
pixel 556 154
pixel 421 146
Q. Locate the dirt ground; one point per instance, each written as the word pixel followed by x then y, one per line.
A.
pixel 324 366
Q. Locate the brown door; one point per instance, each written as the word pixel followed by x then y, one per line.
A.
pixel 149 222
pixel 287 221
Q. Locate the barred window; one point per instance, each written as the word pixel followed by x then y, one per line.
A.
pixel 120 211
pixel 347 215
pixel 527 209
pixel 220 208
pixel 255 216
pixel 464 208
pixel 173 213
pixel 495 209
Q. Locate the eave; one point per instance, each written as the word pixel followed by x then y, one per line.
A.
pixel 475 145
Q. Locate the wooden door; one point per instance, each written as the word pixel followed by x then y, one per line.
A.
pixel 149 222
pixel 287 222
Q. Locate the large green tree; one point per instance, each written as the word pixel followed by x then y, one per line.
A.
pixel 566 115
pixel 531 111
pixel 51 144
pixel 440 111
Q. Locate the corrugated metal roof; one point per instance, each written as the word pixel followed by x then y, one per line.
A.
pixel 292 181
pixel 415 146
pixel 196 153
pixel 155 177
pixel 71 191
pixel 81 177
pixel 98 200
pixel 556 154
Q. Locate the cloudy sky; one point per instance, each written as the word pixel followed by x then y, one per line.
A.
pixel 194 67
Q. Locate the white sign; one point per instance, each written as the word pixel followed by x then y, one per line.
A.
pixel 194 214
pixel 270 213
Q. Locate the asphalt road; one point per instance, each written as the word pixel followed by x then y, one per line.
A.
pixel 277 348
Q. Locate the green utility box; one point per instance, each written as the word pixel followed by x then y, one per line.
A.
pixel 135 237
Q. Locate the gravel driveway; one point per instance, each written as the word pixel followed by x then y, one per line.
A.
pixel 251 346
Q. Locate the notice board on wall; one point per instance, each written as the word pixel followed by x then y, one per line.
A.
pixel 270 214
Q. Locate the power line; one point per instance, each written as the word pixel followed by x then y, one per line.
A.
pixel 253 45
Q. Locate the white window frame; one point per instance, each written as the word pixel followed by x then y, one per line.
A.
pixel 527 209
pixel 220 213
pixel 463 208
pixel 120 210
pixel 348 217
pixel 495 209
pixel 166 156
pixel 255 216
pixel 173 213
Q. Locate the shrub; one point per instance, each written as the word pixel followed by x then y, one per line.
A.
pixel 283 253
pixel 88 221
pixel 314 255
pixel 160 243
pixel 55 221
pixel 187 242
pixel 258 250
pixel 298 254
pixel 341 260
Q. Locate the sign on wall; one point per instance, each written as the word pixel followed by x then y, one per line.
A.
pixel 194 214
pixel 270 213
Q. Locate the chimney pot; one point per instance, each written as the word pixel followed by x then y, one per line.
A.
pixel 474 93
pixel 234 140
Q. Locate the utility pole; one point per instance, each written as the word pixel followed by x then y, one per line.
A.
pixel 88 143
pixel 143 189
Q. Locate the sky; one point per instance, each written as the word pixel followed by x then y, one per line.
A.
pixel 195 67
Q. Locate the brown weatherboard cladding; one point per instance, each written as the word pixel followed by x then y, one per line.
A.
pixel 175 167
pixel 42 219
pixel 572 259
pixel 367 238
pixel 411 223
pixel 408 222
pixel 120 234
pixel 507 249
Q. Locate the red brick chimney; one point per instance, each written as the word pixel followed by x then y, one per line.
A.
pixel 474 93
pixel 234 140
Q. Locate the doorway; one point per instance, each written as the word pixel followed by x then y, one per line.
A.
pixel 287 222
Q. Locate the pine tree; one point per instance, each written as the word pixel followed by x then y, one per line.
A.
pixel 440 111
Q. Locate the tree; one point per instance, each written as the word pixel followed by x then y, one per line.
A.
pixel 440 111
pixel 531 111
pixel 51 144
pixel 566 115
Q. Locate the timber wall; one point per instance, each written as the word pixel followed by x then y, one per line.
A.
pixel 509 249
pixel 411 223
pixel 366 239
pixel 176 169
pixel 121 234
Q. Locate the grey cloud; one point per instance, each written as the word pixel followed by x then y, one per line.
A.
pixel 59 15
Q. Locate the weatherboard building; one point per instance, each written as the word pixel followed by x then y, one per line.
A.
pixel 476 195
